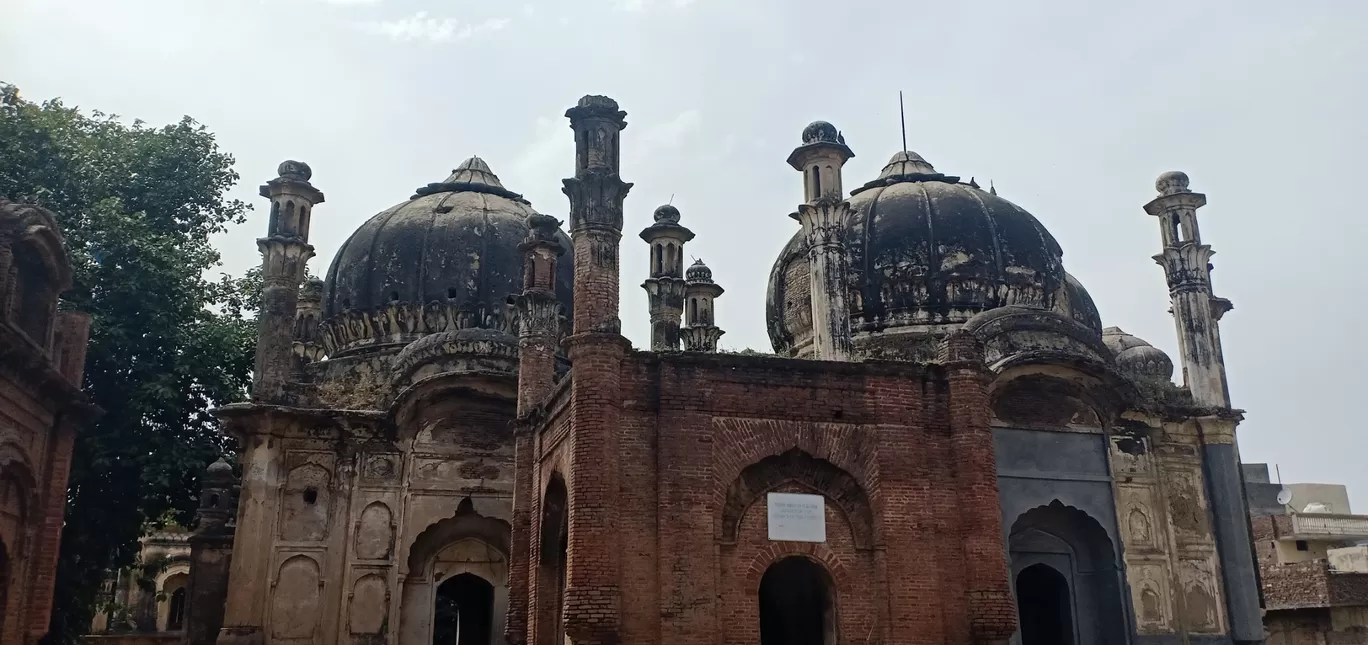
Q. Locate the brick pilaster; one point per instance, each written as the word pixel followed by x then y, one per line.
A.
pixel 992 612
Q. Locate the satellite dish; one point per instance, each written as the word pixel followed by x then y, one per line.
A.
pixel 1285 496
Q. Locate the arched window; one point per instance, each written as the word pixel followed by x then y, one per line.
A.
pixel 796 604
pixel 816 182
pixel 32 305
pixel 659 259
pixel 465 611
pixel 175 616
pixel 1045 606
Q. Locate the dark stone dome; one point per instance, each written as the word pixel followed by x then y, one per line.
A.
pixel 926 251
pixel 452 246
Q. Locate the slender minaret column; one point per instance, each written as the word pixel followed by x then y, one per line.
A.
pixel 823 216
pixel 211 552
pixel 665 287
pixel 700 329
pixel 596 348
pixel 538 336
pixel 284 251
pixel 1196 310
pixel 308 342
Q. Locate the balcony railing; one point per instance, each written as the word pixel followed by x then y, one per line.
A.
pixel 1322 525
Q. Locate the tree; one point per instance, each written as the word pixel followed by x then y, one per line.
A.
pixel 138 206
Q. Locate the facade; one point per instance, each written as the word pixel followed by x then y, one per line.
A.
pixel 42 360
pixel 450 440
pixel 150 598
pixel 1312 562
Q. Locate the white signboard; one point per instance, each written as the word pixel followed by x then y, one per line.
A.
pixel 797 518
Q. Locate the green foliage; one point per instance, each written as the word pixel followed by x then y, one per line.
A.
pixel 138 206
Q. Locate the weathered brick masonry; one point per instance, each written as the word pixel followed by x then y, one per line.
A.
pixel 42 360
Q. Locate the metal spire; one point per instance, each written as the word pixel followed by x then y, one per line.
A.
pixel 902 116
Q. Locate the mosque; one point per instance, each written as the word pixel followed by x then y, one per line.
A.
pixel 449 440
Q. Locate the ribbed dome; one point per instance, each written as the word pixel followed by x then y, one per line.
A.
pixel 927 250
pixel 454 244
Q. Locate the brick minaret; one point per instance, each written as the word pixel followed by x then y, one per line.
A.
pixel 1197 312
pixel 992 612
pixel 665 287
pixel 700 332
pixel 539 326
pixel 285 250
pixel 596 349
pixel 823 216
pixel 211 552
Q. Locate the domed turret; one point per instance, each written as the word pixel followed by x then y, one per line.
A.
pixel 698 272
pixel 1136 357
pixel 446 259
pixel 927 251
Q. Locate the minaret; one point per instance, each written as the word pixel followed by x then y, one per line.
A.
pixel 665 287
pixel 700 332
pixel 308 343
pixel 823 216
pixel 1196 311
pixel 596 349
pixel 538 337
pixel 211 552
pixel 285 250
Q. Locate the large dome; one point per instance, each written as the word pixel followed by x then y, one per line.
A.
pixel 927 251
pixel 450 252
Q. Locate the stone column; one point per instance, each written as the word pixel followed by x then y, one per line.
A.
pixel 992 612
pixel 539 324
pixel 596 350
pixel 250 569
pixel 665 286
pixel 285 251
pixel 823 217
pixel 1196 313
pixel 211 553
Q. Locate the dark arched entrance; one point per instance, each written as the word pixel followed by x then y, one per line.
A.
pixel 553 567
pixel 1045 606
pixel 1061 556
pixel 796 605
pixel 175 615
pixel 465 611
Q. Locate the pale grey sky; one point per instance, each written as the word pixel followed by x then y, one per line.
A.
pixel 1071 107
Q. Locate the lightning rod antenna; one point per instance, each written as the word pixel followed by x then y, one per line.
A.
pixel 671 199
pixel 902 117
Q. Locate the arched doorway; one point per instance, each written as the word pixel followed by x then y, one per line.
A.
pixel 1067 578
pixel 464 612
pixel 1045 606
pixel 175 617
pixel 553 565
pixel 796 604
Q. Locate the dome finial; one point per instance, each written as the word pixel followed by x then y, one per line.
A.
pixel 296 170
pixel 1172 183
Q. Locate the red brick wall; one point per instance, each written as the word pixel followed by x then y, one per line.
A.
pixel 906 479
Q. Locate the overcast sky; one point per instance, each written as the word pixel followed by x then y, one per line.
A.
pixel 1071 108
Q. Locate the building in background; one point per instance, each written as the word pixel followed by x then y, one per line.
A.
pixel 150 597
pixel 42 362
pixel 1312 561
pixel 449 439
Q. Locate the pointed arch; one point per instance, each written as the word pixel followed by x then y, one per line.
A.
pixel 819 475
pixel 1074 544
